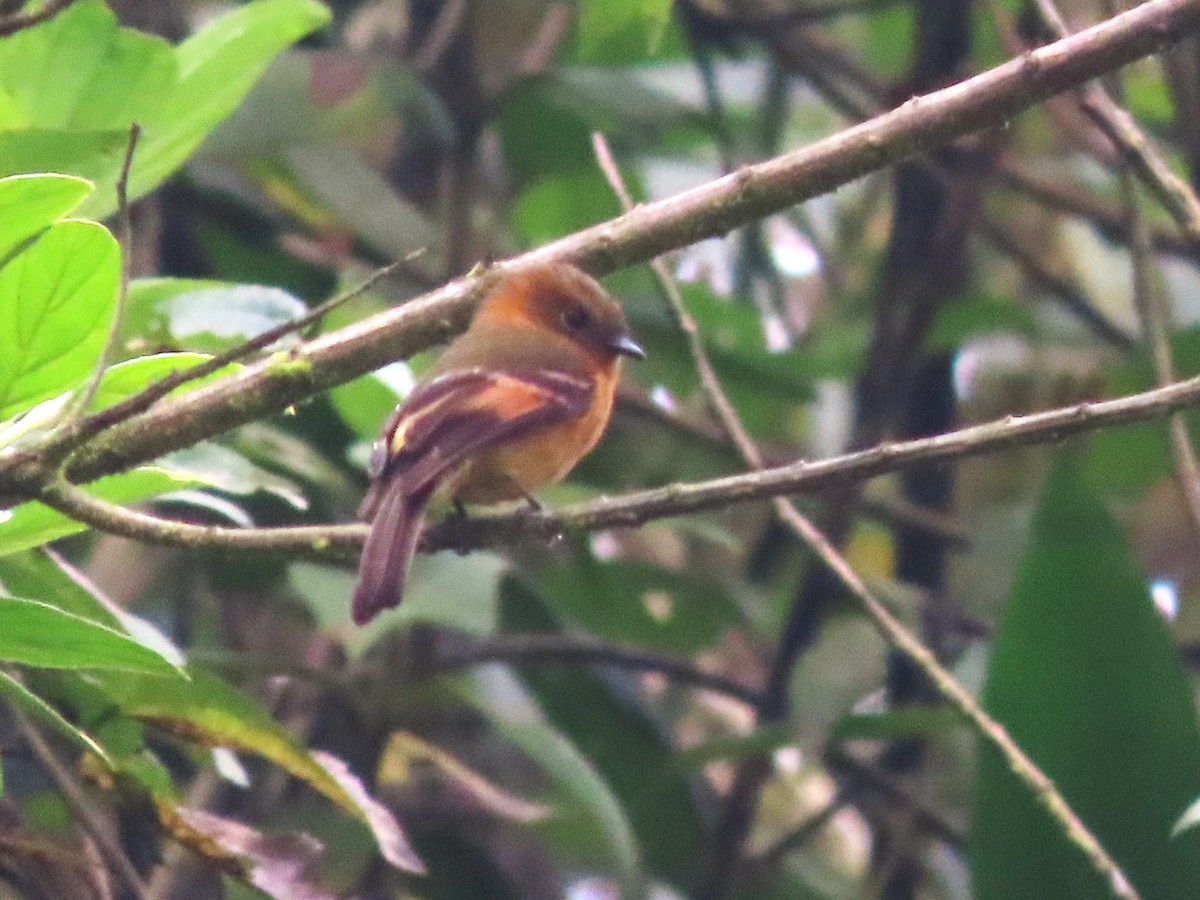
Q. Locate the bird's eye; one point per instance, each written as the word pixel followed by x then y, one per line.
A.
pixel 577 318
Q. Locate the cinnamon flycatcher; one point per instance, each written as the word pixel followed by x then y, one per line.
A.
pixel 512 405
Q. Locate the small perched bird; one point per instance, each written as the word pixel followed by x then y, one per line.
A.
pixel 512 405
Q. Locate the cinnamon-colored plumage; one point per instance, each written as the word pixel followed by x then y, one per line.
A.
pixel 512 405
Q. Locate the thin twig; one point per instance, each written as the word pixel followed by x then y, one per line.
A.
pixel 1156 333
pixel 19 22
pixel 452 650
pixel 1176 197
pixel 1144 160
pixel 890 627
pixel 79 405
pixel 1106 217
pixel 73 793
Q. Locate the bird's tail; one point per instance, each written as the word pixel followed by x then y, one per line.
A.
pixel 390 546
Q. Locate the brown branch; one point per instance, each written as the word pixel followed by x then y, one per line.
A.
pixel 711 209
pixel 444 650
pixel 1155 324
pixel 79 405
pixel 1078 202
pixel 340 542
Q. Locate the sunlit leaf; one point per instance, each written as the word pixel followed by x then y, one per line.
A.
pixel 32 203
pixel 56 302
pixel 205 315
pixel 38 634
pixel 130 377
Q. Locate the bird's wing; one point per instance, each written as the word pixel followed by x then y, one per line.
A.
pixel 453 416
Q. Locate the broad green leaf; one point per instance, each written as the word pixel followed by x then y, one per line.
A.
pixel 43 713
pixel 207 710
pixel 40 575
pixel 621 31
pixel 38 634
pixel 366 402
pixel 31 203
pixel 227 470
pixel 34 524
pixel 90 154
pixel 76 83
pixel 81 71
pixel 43 575
pixel 216 68
pixel 586 820
pixel 56 303
pixel 1084 677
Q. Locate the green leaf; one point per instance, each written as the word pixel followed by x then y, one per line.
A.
pixel 81 71
pixel 34 524
pixel 38 634
pixel 621 31
pixel 216 67
pixel 84 153
pixel 207 710
pixel 587 815
pixel 77 82
pixel 654 798
pixel 365 403
pixel 56 302
pixel 44 576
pixel 30 204
pixel 1084 677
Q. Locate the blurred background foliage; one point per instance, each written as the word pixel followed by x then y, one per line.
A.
pixel 287 154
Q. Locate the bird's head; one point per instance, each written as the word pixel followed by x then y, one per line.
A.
pixel 564 300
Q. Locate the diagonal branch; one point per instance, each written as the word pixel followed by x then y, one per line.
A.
pixel 986 100
pixel 633 509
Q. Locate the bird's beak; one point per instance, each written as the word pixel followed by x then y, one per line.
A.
pixel 626 344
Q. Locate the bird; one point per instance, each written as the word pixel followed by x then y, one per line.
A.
pixel 512 404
